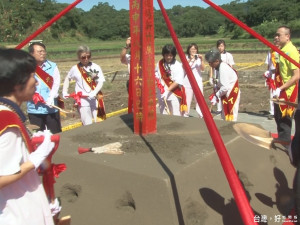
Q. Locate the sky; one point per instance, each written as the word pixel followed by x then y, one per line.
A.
pixel 124 4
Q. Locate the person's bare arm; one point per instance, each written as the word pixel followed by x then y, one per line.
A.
pixel 202 66
pixel 210 72
pixel 24 169
pixel 123 55
pixel 124 51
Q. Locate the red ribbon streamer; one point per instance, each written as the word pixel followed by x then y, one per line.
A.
pixel 159 86
pixel 229 170
pixel 77 97
pixel 48 178
pixel 58 168
pixel 48 173
pixel 37 98
pixel 270 83
pixel 212 96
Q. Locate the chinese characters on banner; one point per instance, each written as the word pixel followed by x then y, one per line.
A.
pixel 142 66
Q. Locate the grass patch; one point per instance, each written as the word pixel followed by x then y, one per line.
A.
pixel 65 50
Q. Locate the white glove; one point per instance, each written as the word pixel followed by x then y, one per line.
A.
pixel 92 95
pixel 65 95
pixel 44 149
pixel 211 81
pixel 214 100
pixel 55 207
pixel 267 74
pixel 38 134
pixel 50 102
pixel 276 92
pixel 273 76
pixel 165 94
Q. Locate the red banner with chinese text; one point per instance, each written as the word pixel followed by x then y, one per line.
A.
pixel 142 66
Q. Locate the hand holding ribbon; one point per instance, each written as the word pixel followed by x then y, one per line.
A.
pixel 77 97
pixel 37 98
pixel 266 74
pixel 213 99
pixel 276 93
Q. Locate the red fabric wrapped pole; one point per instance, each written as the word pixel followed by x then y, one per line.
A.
pixel 230 172
pixel 51 171
pixel 48 178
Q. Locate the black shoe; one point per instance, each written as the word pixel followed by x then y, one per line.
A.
pixel 216 112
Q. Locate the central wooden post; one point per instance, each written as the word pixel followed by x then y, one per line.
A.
pixel 142 66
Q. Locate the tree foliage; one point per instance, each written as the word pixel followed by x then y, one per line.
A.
pixel 21 18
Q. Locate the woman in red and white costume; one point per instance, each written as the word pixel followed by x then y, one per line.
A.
pixel 22 196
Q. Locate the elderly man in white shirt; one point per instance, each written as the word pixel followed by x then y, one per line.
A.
pixel 225 57
pixel 227 88
pixel 89 81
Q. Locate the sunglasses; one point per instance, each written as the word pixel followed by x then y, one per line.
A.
pixel 85 57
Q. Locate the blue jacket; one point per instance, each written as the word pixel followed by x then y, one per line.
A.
pixel 44 91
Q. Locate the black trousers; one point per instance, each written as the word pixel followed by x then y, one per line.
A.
pixel 284 124
pixel 52 121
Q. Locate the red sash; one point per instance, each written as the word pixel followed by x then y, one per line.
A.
pixel 101 108
pixel 45 77
pixel 92 83
pixel 48 80
pixel 229 102
pixel 286 110
pixel 179 91
pixel 13 120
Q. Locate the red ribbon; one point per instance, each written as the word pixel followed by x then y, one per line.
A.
pixel 159 86
pixel 270 83
pixel 48 178
pixel 37 98
pixel 58 168
pixel 77 97
pixel 212 96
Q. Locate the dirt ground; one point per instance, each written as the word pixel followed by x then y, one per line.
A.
pixel 250 67
pixel 178 164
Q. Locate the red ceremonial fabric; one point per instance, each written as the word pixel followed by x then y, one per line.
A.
pixel 37 98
